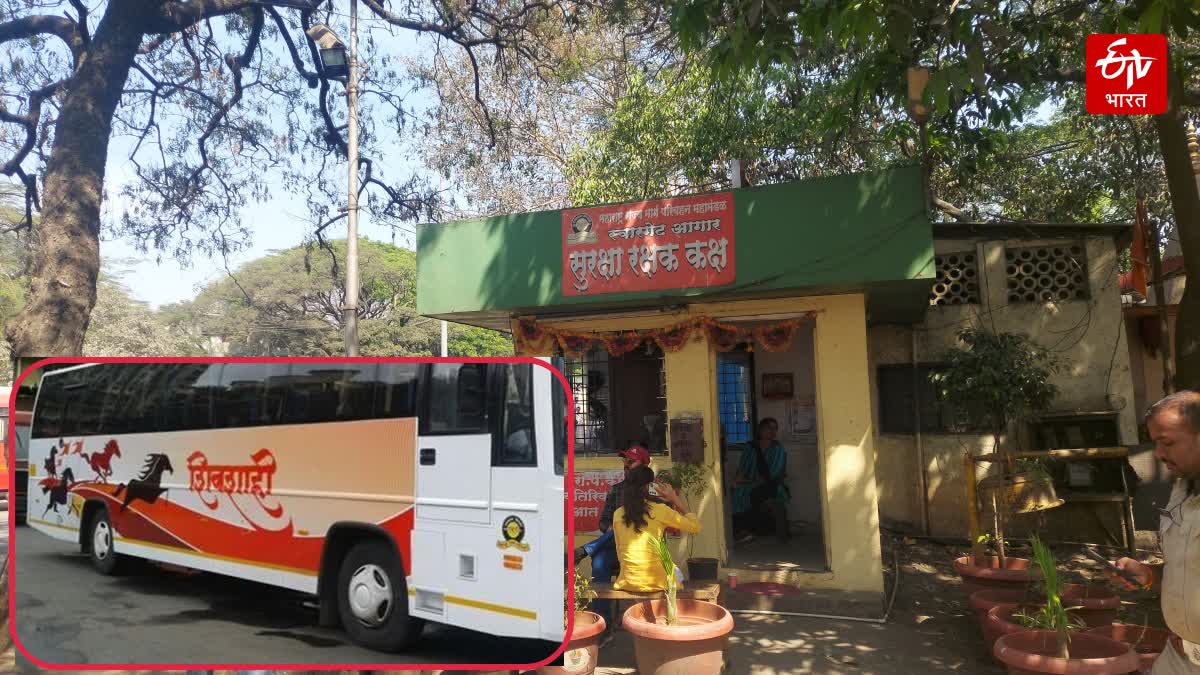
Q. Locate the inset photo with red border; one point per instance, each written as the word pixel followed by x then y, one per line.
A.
pixel 290 513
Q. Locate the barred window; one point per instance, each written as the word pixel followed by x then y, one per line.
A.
pixel 619 401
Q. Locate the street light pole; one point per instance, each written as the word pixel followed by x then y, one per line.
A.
pixel 350 308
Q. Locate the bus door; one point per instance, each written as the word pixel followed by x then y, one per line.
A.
pixel 526 536
pixel 453 488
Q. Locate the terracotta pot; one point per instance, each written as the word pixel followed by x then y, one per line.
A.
pixel 696 644
pixel 1097 605
pixel 981 602
pixel 1147 642
pixel 1014 575
pixel 1035 651
pixel 999 622
pixel 583 647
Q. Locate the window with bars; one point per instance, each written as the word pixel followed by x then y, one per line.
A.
pixel 619 401
pixel 735 396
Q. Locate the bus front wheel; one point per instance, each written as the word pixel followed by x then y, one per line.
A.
pixel 373 598
pixel 100 538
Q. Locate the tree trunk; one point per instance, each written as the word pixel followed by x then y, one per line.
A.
pixel 1185 203
pixel 66 258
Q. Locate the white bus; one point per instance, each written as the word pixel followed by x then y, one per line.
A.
pixel 395 491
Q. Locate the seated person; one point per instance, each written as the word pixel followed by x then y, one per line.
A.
pixel 760 495
pixel 639 523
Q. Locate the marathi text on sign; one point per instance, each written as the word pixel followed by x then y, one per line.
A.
pixel 685 242
pixel 591 488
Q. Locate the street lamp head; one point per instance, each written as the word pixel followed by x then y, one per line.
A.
pixel 333 51
pixel 334 62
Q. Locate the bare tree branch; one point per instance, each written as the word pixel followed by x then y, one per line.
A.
pixel 29 26
pixel 311 78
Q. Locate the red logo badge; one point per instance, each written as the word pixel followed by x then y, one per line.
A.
pixel 1126 74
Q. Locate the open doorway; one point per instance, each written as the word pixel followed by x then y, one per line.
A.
pixel 753 385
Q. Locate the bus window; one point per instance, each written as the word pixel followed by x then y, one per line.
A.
pixel 515 445
pixel 188 397
pixel 328 392
pixel 240 397
pixel 82 415
pixel 145 395
pixel 456 399
pixel 396 389
pixel 51 401
pixel 117 409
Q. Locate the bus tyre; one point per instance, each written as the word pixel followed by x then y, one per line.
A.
pixel 100 538
pixel 373 598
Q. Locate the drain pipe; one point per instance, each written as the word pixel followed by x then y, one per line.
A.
pixel 808 615
pixel 922 478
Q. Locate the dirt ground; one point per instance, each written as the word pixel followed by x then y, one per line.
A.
pixel 929 629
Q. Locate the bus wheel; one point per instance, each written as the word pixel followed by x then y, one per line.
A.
pixel 373 598
pixel 100 543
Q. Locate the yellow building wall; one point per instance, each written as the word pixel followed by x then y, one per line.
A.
pixel 850 508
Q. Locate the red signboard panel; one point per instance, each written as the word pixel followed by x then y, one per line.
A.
pixel 591 488
pixel 684 242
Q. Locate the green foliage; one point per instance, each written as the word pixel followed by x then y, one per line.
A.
pixel 997 378
pixel 124 326
pixel 474 341
pixel 668 565
pixel 689 480
pixel 1052 615
pixel 289 303
pixel 583 592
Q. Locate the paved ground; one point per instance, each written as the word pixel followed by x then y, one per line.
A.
pixel 68 613
pixel 929 630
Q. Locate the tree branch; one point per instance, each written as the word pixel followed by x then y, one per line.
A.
pixel 176 16
pixel 30 122
pixel 236 64
pixel 29 26
pixel 311 78
pixel 85 38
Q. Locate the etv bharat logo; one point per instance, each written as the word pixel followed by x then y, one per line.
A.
pixel 1126 74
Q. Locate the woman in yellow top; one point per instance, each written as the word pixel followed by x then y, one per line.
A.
pixel 639 523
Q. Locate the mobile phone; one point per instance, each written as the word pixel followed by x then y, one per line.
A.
pixel 653 490
pixel 1095 555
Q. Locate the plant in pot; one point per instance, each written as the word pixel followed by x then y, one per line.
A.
pixel 992 381
pixel 677 637
pixel 1051 645
pixel 583 647
pixel 690 481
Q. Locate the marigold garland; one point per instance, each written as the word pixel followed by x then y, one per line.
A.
pixel 777 336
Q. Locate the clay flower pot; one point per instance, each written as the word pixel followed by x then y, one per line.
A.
pixel 999 622
pixel 1014 575
pixel 695 645
pixel 1036 651
pixel 1094 605
pixel 982 602
pixel 582 648
pixel 1147 642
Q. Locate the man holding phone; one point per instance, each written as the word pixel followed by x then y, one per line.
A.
pixel 1174 424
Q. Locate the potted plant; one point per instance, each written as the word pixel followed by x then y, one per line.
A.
pixel 1051 646
pixel 690 481
pixel 996 379
pixel 677 637
pixel 1147 642
pixel 583 647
